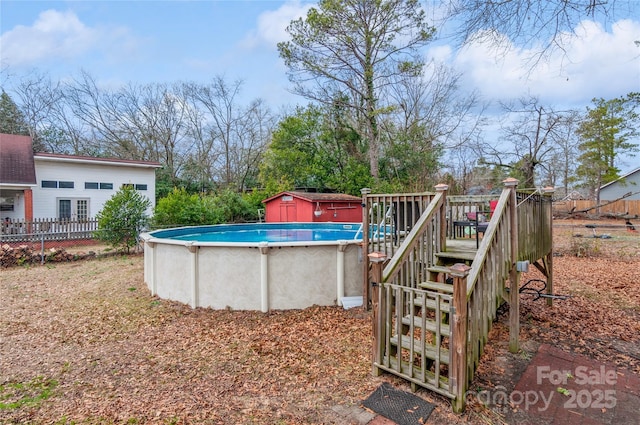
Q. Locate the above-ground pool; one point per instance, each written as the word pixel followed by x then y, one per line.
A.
pixel 259 266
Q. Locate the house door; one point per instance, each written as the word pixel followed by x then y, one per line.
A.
pixel 64 209
pixel 77 209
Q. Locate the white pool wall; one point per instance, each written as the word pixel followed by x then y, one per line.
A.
pixel 245 276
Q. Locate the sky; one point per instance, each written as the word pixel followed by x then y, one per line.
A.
pixel 120 42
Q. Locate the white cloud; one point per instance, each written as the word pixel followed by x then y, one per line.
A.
pixel 271 25
pixel 595 63
pixel 439 54
pixel 58 35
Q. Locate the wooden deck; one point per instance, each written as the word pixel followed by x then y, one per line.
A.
pixel 461 245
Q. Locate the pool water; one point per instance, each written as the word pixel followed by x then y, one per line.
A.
pixel 265 232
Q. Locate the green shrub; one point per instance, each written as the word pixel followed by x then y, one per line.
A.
pixel 232 207
pixel 122 218
pixel 179 208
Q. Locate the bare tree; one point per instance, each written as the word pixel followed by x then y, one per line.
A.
pixel 38 96
pixel 145 122
pixel 155 116
pixel 235 135
pixel 433 117
pixel 558 170
pixel 253 136
pixel 98 111
pixel 530 22
pixel 203 155
pixel 528 139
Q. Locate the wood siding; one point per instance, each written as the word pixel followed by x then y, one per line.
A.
pixel 45 200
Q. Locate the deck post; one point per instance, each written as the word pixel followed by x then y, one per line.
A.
pixel 377 260
pixel 514 274
pixel 365 247
pixel 459 273
pixel 442 233
pixel 548 217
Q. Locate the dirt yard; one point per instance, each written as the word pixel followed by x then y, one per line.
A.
pixel 85 342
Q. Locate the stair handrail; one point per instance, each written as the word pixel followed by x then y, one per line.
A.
pixel 487 240
pixel 393 267
pixel 485 287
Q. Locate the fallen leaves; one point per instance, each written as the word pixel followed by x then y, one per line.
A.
pixel 120 355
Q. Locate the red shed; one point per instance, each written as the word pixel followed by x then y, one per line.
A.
pixel 311 206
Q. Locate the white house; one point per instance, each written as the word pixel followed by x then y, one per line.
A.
pixel 628 183
pixel 77 187
pixel 45 185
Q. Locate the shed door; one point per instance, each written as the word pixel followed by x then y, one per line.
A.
pixel 288 212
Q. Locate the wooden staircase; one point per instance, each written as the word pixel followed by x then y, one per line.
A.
pixel 423 332
pixel 416 322
pixel 434 297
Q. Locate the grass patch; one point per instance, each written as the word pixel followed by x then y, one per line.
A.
pixel 15 395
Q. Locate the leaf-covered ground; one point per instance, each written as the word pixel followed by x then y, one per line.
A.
pixel 118 355
pixel 600 319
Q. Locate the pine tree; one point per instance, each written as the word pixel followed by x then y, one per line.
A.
pixel 11 118
pixel 607 133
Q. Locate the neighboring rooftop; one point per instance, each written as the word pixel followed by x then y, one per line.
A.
pixel 622 177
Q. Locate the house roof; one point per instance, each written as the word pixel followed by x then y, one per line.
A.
pixel 16 160
pixel 317 197
pixel 45 156
pixel 637 170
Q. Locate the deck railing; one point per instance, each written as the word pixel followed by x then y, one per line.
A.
pixel 534 215
pixel 485 290
pixel 410 261
pixel 467 207
pixel 520 229
pixel 411 324
pixel 387 221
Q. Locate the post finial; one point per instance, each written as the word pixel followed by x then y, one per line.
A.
pixel 510 181
pixel 459 269
pixel 441 187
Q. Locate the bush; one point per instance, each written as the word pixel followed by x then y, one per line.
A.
pixel 232 207
pixel 180 208
pixel 123 217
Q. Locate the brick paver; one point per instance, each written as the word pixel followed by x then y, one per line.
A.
pixel 557 388
pixel 563 388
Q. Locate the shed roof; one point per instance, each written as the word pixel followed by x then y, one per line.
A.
pixel 16 160
pixel 317 197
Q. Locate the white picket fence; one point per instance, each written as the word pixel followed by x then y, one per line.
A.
pixel 47 229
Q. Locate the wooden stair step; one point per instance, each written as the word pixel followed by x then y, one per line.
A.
pixel 431 304
pixel 438 269
pixel 429 349
pixel 430 325
pixel 457 255
pixel 436 286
